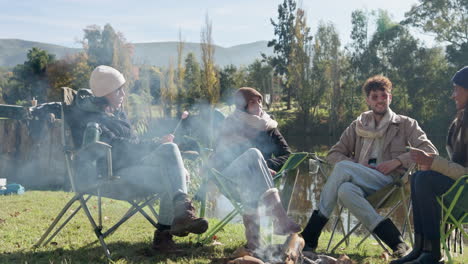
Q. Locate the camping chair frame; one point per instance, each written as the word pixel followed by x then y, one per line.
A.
pixel 398 184
pixel 99 149
pixel 451 223
pixel 291 163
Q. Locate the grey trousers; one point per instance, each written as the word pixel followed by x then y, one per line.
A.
pixel 351 182
pixel 162 172
pixel 249 176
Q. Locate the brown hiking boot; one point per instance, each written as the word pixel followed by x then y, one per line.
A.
pixel 163 243
pixel 185 220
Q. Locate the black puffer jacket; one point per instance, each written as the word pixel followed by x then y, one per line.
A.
pixel 127 148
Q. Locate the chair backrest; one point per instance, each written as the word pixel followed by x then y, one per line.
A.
pixel 457 196
pixel 291 163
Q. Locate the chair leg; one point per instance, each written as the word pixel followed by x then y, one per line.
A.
pixel 96 229
pixel 407 221
pixel 208 235
pixel 133 210
pixel 66 222
pixel 57 219
pixel 338 219
pixel 346 236
pixel 370 233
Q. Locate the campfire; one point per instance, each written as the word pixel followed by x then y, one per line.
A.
pixel 288 253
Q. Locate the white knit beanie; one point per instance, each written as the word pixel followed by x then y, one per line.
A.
pixel 104 80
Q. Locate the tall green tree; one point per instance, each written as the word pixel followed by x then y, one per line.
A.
pixel 448 20
pixel 282 44
pixel 192 79
pixel 260 76
pixel 299 67
pixel 30 78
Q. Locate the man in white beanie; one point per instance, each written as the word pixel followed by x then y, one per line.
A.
pixel 153 165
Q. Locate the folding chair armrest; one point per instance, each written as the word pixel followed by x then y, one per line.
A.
pixel 95 151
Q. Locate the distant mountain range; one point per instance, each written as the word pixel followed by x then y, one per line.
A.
pixel 13 52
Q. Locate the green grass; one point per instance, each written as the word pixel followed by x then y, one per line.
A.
pixel 24 218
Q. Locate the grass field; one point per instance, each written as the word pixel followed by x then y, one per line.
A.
pixel 24 218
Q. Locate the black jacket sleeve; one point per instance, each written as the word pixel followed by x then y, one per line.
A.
pixel 281 151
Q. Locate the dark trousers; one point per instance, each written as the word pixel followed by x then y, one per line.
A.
pixel 425 186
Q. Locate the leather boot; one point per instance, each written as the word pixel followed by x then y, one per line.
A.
pixel 430 253
pixel 313 230
pixel 414 254
pixel 163 243
pixel 390 235
pixel 185 220
pixel 252 230
pixel 283 225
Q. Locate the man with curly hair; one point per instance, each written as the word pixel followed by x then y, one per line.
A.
pixel 369 155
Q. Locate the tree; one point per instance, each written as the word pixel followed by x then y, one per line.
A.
pixel 357 65
pixel 326 73
pixel 260 76
pixel 448 20
pixel 181 93
pixel 107 47
pixel 168 90
pixel 230 79
pixel 30 79
pixel 192 79
pixel 299 67
pixel 284 31
pixel 210 82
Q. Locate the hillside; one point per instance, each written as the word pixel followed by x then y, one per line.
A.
pixel 13 52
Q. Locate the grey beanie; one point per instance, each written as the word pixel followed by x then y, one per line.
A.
pixel 461 77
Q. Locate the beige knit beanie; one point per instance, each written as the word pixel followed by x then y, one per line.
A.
pixel 104 80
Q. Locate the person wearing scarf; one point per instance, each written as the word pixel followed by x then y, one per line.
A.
pixel 369 154
pixel 249 150
pixel 436 176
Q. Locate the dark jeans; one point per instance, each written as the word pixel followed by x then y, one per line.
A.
pixel 425 186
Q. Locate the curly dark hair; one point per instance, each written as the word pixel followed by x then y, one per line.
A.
pixel 377 83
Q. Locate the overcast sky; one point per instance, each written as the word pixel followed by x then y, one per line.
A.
pixel 234 21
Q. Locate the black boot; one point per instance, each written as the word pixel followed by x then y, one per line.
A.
pixel 389 234
pixel 414 254
pixel 313 230
pixel 430 253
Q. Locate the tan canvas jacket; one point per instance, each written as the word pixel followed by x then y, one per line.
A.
pixel 402 131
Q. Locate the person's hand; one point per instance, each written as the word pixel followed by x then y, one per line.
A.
pixel 388 166
pixel 273 173
pixel 167 138
pixel 420 157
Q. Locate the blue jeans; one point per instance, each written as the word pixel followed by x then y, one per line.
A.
pixel 425 186
pixel 161 171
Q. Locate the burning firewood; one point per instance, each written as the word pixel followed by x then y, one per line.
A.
pixel 246 260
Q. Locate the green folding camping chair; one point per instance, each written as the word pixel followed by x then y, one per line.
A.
pixel 454 206
pixel 389 197
pixel 292 163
